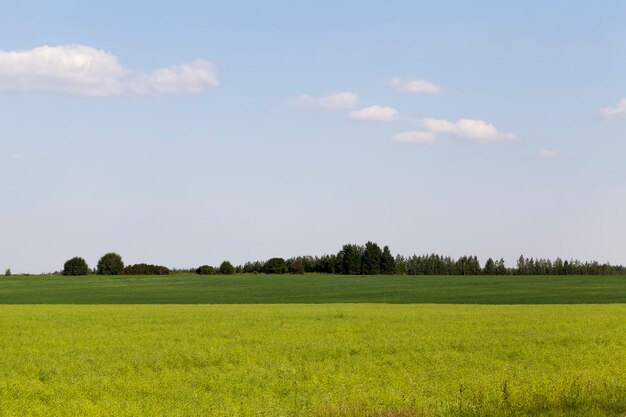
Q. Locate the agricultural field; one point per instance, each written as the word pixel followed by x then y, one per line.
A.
pixel 312 289
pixel 312 346
pixel 317 360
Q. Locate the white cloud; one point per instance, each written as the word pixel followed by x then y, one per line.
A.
pixel 619 111
pixel 375 113
pixel 15 156
pixel 415 137
pixel 334 101
pixel 474 129
pixel 548 153
pixel 83 70
pixel 414 86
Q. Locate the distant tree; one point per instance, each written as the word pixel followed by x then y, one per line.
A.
pixel 349 259
pixel 500 267
pixel 275 266
pixel 226 268
pixel 371 259
pixel 253 267
pixel 75 266
pixel 490 267
pixel 206 270
pixel 7 273
pixel 522 266
pixel 296 266
pixel 387 262
pixel 401 265
pixel 558 268
pixel 110 264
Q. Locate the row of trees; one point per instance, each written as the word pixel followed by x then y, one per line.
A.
pixel 111 264
pixel 368 259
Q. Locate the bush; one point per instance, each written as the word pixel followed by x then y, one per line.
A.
pixel 75 266
pixel 275 266
pixel 206 270
pixel 227 268
pixel 146 269
pixel 110 264
pixel 7 273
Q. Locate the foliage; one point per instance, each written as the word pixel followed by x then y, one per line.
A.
pixel 7 272
pixel 206 270
pixel 296 265
pixel 370 259
pixel 226 268
pixel 350 259
pixel 312 360
pixel 110 264
pixel 490 267
pixel 75 266
pixel 387 262
pixel 275 266
pixel 146 269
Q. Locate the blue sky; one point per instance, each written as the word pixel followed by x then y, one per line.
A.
pixel 192 132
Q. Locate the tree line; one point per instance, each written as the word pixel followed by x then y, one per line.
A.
pixel 352 259
pixel 370 259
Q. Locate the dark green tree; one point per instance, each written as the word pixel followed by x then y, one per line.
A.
pixel 75 266
pixel 490 267
pixel 110 264
pixel 226 268
pixel 387 262
pixel 350 259
pixel 275 266
pixel 371 259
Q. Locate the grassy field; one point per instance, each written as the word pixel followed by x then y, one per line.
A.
pixel 318 360
pixel 279 289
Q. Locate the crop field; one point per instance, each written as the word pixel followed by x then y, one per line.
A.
pixel 318 360
pixel 312 289
pixel 312 346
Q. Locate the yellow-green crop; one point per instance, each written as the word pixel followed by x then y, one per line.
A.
pixel 317 360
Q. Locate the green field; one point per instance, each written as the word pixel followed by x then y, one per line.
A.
pixel 312 289
pixel 313 345
pixel 319 360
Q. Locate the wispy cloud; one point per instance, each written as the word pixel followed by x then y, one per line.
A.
pixel 548 153
pixel 619 111
pixel 83 70
pixel 473 129
pixel 375 113
pixel 425 138
pixel 414 86
pixel 333 101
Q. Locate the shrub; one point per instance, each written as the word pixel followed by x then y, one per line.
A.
pixel 206 270
pixel 110 264
pixel 75 266
pixel 7 273
pixel 227 268
pixel 146 269
pixel 275 266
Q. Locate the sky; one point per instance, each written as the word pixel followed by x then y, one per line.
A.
pixel 191 132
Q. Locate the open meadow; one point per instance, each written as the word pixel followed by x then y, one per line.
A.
pixel 313 345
